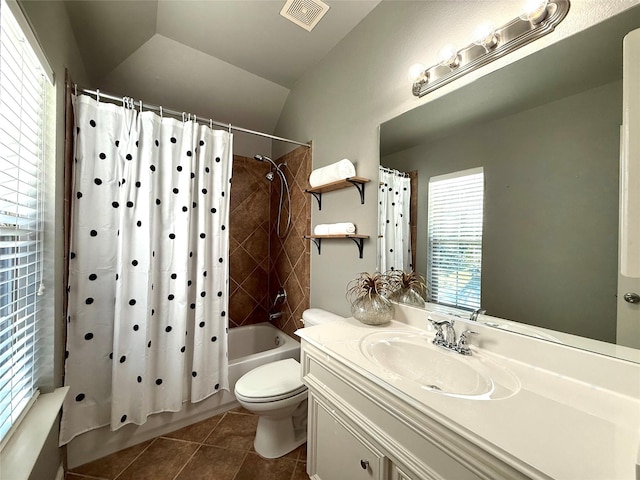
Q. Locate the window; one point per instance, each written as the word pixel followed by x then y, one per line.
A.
pixel 24 89
pixel 455 238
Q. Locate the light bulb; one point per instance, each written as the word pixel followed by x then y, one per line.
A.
pixel 416 72
pixel 448 55
pixel 534 11
pixel 485 36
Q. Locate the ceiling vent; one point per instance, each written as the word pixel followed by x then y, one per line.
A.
pixel 304 13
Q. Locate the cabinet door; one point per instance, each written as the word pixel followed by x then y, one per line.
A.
pixel 338 452
pixel 398 474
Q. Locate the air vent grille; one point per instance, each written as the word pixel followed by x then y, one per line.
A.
pixel 304 13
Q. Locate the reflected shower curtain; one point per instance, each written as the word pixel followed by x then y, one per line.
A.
pixel 148 269
pixel 393 221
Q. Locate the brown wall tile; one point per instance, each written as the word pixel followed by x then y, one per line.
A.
pixel 261 262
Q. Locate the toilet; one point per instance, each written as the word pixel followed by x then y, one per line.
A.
pixel 275 392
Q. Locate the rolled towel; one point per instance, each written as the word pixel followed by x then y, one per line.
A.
pixel 331 173
pixel 344 228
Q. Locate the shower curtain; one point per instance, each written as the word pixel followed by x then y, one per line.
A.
pixel 393 221
pixel 148 269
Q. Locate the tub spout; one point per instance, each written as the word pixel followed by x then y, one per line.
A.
pixel 275 316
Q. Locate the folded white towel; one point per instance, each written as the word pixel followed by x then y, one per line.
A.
pixel 331 173
pixel 344 228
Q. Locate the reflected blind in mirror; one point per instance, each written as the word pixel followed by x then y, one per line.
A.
pixel 455 238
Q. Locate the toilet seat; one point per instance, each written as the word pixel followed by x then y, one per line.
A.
pixel 271 382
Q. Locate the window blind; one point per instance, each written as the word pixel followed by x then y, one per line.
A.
pixel 455 238
pixel 23 95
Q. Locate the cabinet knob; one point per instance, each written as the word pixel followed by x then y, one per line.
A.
pixel 631 297
pixel 364 464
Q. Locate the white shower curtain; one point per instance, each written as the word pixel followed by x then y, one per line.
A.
pixel 394 248
pixel 148 269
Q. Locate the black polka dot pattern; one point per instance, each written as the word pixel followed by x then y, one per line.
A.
pixel 144 256
pixel 394 195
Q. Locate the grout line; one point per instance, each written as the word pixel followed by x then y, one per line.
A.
pixel 188 461
pixel 82 475
pixel 137 456
pixel 246 455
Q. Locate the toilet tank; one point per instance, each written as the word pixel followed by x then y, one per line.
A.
pixel 317 316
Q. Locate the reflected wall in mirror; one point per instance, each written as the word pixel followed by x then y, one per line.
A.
pixel 545 129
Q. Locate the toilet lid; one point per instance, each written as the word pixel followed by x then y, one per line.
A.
pixel 275 379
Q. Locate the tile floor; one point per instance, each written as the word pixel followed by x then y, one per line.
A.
pixel 219 448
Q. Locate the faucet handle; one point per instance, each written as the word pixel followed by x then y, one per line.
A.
pixel 441 323
pixel 463 342
pixel 439 337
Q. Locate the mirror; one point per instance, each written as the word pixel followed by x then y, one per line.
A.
pixel 545 129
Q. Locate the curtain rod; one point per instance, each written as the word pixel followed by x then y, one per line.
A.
pixel 162 110
pixel 396 172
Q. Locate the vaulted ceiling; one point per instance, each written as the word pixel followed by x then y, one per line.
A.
pixel 233 60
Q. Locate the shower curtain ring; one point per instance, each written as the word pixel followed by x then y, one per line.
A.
pixel 161 111
pixel 183 117
pixel 97 95
pixel 229 128
pixel 211 123
pixel 75 89
pixel 140 106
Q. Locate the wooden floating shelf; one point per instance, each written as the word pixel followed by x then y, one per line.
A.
pixel 357 239
pixel 357 182
pixel 348 235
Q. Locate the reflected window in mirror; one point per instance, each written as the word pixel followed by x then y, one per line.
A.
pixel 454 257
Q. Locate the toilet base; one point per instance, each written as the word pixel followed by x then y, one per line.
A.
pixel 275 437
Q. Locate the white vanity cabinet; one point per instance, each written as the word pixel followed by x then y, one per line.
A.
pixel 340 451
pixel 359 430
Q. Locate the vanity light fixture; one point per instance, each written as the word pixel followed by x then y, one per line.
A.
pixel 534 11
pixel 449 56
pixel 536 19
pixel 485 35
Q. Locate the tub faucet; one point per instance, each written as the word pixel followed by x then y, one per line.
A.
pixel 474 315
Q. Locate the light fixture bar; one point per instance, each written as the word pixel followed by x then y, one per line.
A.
pixel 511 36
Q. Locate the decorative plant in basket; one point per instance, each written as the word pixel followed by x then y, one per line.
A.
pixel 408 288
pixel 369 298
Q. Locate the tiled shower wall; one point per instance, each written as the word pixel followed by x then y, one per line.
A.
pixel 260 261
pixel 291 255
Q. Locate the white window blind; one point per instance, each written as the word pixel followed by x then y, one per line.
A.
pixel 455 238
pixel 23 98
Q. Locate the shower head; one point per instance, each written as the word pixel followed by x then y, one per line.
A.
pixel 264 158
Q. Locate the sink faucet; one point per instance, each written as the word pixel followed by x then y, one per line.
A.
pixel 474 315
pixel 463 343
pixel 446 336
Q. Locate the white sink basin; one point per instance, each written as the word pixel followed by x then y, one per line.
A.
pixel 414 358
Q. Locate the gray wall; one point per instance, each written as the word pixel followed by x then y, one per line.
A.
pixel 551 209
pixel 363 83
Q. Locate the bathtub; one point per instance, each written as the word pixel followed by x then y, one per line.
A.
pixel 253 345
pixel 249 347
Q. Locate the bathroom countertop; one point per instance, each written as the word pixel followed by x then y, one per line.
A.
pixel 552 427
